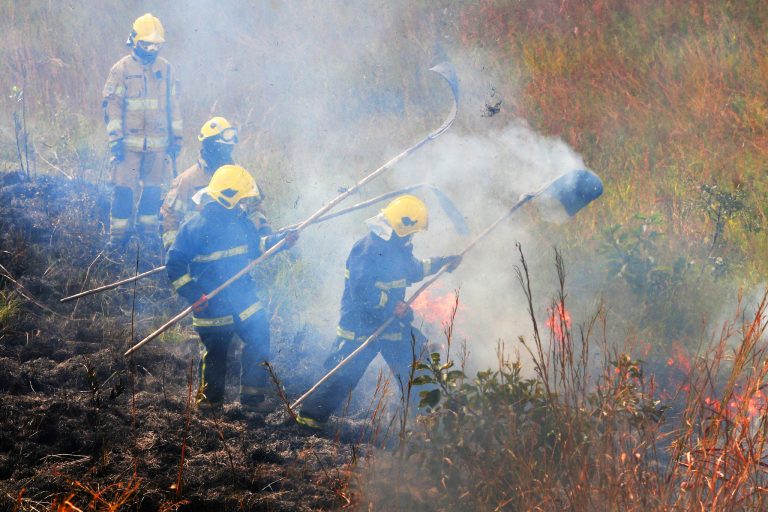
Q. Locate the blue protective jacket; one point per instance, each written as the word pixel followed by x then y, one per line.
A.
pixel 377 274
pixel 210 248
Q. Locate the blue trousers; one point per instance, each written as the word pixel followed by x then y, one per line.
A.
pixel 254 334
pixel 397 354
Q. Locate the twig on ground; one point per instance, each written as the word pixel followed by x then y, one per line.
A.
pixel 279 390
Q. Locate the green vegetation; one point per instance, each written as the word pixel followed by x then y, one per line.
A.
pixel 573 437
pixel 10 305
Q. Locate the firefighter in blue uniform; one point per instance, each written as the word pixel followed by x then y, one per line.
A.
pixel 209 249
pixel 379 269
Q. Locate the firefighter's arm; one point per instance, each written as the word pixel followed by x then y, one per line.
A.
pixel 113 99
pixel 434 264
pixel 290 236
pixel 177 266
pixel 426 267
pixel 417 269
pixel 172 212
pixel 264 239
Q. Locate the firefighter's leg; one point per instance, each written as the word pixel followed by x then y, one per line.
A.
pixel 213 365
pixel 399 356
pixel 125 178
pixel 319 405
pixel 254 333
pixel 153 178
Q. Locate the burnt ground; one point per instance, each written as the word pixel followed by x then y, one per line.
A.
pixel 80 422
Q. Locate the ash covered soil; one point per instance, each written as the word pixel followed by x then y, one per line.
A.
pixel 80 422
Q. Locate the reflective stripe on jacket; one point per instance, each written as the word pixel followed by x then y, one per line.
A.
pixel 377 274
pixel 209 249
pixel 135 105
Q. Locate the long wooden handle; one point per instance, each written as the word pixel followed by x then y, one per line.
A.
pixel 113 285
pixel 157 333
pixel 344 361
pixel 360 205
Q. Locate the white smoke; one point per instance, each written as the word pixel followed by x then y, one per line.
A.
pixel 484 175
pixel 324 96
pixel 324 93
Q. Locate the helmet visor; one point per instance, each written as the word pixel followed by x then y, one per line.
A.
pixel 228 135
pixel 149 47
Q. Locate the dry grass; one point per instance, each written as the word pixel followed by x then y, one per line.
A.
pixel 576 437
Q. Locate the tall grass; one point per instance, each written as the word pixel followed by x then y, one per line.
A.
pixel 660 97
pixel 564 438
pixel 10 307
pixel 589 432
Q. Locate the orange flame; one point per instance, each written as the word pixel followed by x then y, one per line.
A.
pixel 743 408
pixel 679 359
pixel 677 377
pixel 745 405
pixel 558 321
pixel 434 308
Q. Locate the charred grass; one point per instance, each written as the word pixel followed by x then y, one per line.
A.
pixel 82 427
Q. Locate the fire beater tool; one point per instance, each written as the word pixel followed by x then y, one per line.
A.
pixel 446 71
pixel 448 207
pixel 572 191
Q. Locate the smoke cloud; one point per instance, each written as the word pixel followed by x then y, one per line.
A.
pixel 324 93
pixel 330 94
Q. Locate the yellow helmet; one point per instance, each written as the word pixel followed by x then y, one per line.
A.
pixel 230 184
pixel 147 28
pixel 218 126
pixel 406 215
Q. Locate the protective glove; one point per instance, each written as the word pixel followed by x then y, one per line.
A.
pixel 200 304
pixel 117 149
pixel 290 237
pixel 173 150
pixel 452 262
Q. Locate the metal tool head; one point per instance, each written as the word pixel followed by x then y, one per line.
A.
pixel 575 190
pixel 447 71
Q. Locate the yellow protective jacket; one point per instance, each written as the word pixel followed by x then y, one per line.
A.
pixel 136 106
pixel 178 204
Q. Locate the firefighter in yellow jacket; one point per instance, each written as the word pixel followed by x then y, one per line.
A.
pixel 217 140
pixel 144 129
